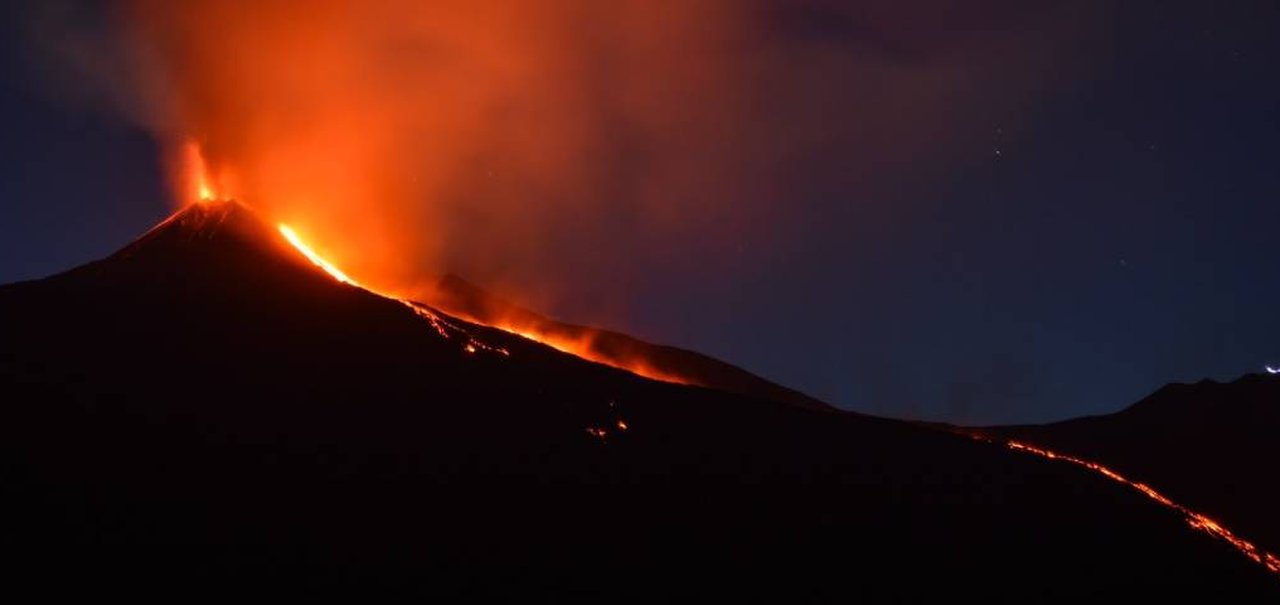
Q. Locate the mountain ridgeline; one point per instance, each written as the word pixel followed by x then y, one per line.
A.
pixel 1210 446
pixel 206 413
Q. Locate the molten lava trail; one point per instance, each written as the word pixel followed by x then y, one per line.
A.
pixel 1193 518
pixel 577 347
pixel 471 345
pixel 447 330
pixel 292 236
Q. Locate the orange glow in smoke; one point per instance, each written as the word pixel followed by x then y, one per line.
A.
pixel 198 182
pixel 408 138
pixel 1193 518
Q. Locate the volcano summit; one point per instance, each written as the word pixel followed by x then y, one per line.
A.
pixel 205 411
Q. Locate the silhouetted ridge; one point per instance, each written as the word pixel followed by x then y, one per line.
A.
pixel 1211 446
pixel 205 412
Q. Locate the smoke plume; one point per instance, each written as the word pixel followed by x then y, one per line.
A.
pixel 561 141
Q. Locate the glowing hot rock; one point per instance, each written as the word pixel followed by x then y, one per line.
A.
pixel 197 174
pixel 446 329
pixel 290 235
pixel 581 346
pixel 1194 519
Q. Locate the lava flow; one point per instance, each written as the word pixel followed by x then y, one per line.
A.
pixel 292 236
pixel 580 347
pixel 200 185
pixel 1193 518
pixel 445 329
pixel 583 346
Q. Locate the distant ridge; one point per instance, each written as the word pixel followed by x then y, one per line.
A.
pixel 1210 445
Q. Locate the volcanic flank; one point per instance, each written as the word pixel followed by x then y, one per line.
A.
pixel 1202 443
pixel 207 411
pixel 459 297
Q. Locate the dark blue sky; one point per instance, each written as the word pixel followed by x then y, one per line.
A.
pixel 1115 232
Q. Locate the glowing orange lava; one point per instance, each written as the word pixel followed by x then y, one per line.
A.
pixel 582 346
pixel 447 330
pixel 201 188
pixel 292 236
pixel 1193 518
pixel 198 180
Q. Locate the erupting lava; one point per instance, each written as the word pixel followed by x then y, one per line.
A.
pixel 1193 518
pixel 290 235
pixel 444 328
pixel 199 186
pixel 580 346
pixel 199 183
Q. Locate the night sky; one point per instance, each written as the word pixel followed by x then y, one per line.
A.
pixel 1090 217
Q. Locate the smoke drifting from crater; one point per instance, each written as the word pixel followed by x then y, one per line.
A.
pixel 534 144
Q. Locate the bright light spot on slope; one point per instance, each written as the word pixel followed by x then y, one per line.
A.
pixel 1271 370
pixel 1194 519
pixel 293 238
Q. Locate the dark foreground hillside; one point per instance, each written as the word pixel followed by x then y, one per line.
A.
pixel 204 413
pixel 1212 446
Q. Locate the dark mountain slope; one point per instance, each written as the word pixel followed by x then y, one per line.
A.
pixel 206 413
pixel 1212 446
pixel 459 297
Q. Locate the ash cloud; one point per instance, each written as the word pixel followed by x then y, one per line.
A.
pixel 546 145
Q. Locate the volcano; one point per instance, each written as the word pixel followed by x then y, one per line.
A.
pixel 207 412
